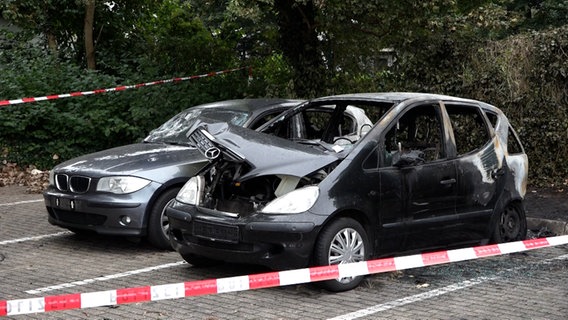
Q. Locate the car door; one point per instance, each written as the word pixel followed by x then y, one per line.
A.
pixel 415 163
pixel 479 167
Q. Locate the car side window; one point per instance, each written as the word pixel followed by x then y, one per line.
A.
pixel 315 122
pixel 470 129
pixel 415 138
pixel 265 118
pixel 513 144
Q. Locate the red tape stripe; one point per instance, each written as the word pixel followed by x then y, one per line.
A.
pixel 119 88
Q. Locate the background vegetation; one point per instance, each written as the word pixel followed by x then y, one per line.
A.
pixel 510 53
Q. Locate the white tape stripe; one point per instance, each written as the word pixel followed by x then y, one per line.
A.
pixel 294 276
pixel 232 284
pixel 98 299
pixel 555 241
pixel 408 262
pixel 353 269
pixel 461 254
pixel 45 236
pixel 20 202
pixel 512 247
pixel 24 306
pixel 105 278
pixel 167 291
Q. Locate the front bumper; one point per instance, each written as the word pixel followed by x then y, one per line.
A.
pixel 275 241
pixel 103 213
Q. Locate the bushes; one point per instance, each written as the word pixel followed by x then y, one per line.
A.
pixel 527 76
pixel 45 133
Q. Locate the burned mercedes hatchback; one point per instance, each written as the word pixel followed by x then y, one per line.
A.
pixel 428 172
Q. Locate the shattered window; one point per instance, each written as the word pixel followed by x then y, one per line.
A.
pixel 417 133
pixel 470 129
pixel 513 143
pixel 316 120
pixel 492 118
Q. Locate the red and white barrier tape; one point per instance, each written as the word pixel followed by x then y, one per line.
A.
pixel 119 88
pixel 264 280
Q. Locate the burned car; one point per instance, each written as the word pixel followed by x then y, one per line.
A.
pixel 123 190
pixel 432 172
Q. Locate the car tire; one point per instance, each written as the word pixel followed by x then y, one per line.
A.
pixel 342 236
pixel 158 224
pixel 199 261
pixel 511 224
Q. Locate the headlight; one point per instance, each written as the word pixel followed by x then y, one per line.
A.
pixel 192 191
pixel 121 184
pixel 297 201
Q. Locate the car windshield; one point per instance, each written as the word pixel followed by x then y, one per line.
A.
pixel 174 130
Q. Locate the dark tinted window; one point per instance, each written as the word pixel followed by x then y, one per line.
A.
pixel 470 129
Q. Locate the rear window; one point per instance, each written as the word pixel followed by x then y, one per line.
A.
pixel 470 129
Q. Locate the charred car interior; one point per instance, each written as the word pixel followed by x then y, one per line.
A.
pixel 420 172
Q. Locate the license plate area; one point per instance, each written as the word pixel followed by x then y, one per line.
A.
pixel 216 231
pixel 64 203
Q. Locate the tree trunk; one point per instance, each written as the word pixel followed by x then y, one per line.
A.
pixel 300 45
pixel 88 30
pixel 51 43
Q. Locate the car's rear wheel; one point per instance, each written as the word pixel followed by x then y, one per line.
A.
pixel 511 224
pixel 158 223
pixel 343 241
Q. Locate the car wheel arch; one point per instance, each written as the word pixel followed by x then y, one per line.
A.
pixel 157 226
pixel 356 215
pixel 502 205
pixel 157 194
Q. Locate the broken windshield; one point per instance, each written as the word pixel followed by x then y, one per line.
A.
pixel 174 131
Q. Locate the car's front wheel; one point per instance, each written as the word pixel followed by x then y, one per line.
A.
pixel 158 223
pixel 511 224
pixel 342 241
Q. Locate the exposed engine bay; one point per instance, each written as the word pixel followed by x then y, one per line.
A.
pixel 224 191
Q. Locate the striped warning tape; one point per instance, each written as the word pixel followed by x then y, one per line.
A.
pixel 119 88
pixel 264 280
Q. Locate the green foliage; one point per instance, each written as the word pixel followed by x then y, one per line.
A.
pixel 527 75
pixel 510 53
pixel 45 133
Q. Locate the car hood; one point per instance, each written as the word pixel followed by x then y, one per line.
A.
pixel 266 154
pixel 154 161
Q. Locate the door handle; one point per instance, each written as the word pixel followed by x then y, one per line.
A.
pixel 448 181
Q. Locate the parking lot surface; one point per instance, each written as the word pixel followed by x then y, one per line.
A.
pixel 37 259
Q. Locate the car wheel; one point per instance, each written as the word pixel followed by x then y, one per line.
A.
pixel 158 223
pixel 199 261
pixel 343 241
pixel 511 224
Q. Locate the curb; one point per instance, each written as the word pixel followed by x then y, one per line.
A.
pixel 555 226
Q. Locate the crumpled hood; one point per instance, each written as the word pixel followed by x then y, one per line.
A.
pixel 267 154
pixel 146 160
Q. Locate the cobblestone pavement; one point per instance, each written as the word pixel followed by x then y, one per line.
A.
pixel 37 259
